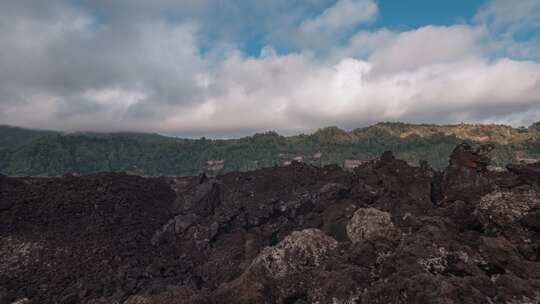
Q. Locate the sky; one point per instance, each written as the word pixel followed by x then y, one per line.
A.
pixel 226 68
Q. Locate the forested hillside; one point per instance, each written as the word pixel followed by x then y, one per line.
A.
pixel 32 152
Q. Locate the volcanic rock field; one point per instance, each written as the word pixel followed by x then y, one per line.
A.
pixel 387 232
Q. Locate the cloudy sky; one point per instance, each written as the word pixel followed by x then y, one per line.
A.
pixel 234 67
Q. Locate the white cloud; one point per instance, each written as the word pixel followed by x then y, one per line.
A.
pixel 363 43
pixel 153 74
pixel 506 21
pixel 426 46
pixel 334 22
pixel 295 92
pixel 343 15
pixel 504 13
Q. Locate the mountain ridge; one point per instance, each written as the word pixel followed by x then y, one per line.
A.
pixel 47 153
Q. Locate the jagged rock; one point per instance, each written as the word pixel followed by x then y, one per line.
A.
pixel 388 157
pixel 164 234
pixel 295 256
pixel 507 207
pixel 529 174
pixel 370 222
pixel 297 252
pixel 532 221
pixel 335 219
pixel 435 264
pixel 204 199
pixel 392 184
pixel 389 232
pixel 182 223
pixel 173 295
pixel 467 175
pixel 15 254
pixel 334 190
pixel 6 199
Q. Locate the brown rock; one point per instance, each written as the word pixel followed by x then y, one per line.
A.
pixel 368 223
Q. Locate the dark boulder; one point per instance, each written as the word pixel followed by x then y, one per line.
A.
pixel 467 175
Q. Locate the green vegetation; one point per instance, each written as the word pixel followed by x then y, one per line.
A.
pixel 13 136
pixel 33 152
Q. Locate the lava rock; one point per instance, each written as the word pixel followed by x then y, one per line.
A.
pixel 388 232
pixel 297 252
pixel 370 222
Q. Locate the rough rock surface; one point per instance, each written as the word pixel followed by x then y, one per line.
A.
pixel 386 233
pixel 370 222
pixel 297 252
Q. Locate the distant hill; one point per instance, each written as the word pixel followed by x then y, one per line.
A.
pixel 14 136
pixel 45 153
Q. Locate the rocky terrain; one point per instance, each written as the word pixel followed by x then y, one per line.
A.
pixel 387 232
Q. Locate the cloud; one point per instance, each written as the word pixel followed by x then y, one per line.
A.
pixel 508 22
pixel 335 22
pixel 342 15
pixel 424 46
pixel 64 64
pixel 363 43
pixel 504 13
pixel 181 67
pixel 345 93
